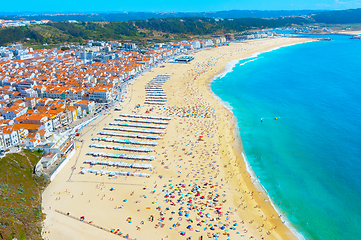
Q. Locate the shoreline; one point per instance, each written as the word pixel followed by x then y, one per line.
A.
pixel 237 143
pixel 220 161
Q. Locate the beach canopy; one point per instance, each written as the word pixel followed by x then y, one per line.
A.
pixel 155 86
pixel 113 173
pixel 129 135
pixel 138 125
pixel 121 148
pixel 154 103
pixel 120 155
pixel 119 164
pixel 134 130
pixel 124 141
pixel 141 120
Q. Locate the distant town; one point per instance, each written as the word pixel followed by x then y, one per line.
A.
pixel 19 23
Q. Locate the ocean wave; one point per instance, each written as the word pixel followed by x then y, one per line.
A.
pixel 230 65
pixel 225 104
pixel 261 188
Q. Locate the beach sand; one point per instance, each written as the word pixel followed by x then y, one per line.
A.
pixel 349 32
pixel 198 167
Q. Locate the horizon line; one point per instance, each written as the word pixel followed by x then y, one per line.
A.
pixel 155 12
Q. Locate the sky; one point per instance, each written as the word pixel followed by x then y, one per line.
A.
pixel 172 5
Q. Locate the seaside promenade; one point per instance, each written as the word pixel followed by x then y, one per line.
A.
pixel 193 181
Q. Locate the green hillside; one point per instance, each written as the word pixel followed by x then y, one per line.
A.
pixel 20 196
pixel 339 17
pixel 137 30
pixel 157 28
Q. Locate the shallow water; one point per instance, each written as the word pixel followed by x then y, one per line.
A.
pixel 309 159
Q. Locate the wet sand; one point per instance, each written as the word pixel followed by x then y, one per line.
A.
pixel 199 184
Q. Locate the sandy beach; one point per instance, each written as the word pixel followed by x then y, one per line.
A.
pixel 349 32
pixel 198 187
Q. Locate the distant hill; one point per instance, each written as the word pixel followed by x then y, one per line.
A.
pixel 338 17
pixel 143 27
pixel 203 26
pixel 318 16
pixel 126 16
pixel 137 30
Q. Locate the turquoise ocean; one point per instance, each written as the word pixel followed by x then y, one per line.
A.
pixel 308 160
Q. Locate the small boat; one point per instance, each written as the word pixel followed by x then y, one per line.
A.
pixel 275 118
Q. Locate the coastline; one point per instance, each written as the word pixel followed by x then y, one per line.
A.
pixel 248 203
pixel 238 150
pixel 342 33
pixel 237 143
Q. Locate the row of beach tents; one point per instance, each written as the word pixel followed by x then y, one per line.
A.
pixel 134 130
pixel 113 173
pixel 119 164
pixel 120 155
pixel 117 134
pixel 131 126
pixel 121 148
pixel 124 141
pixel 141 120
pixel 145 116
pixel 137 125
pixel 155 94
